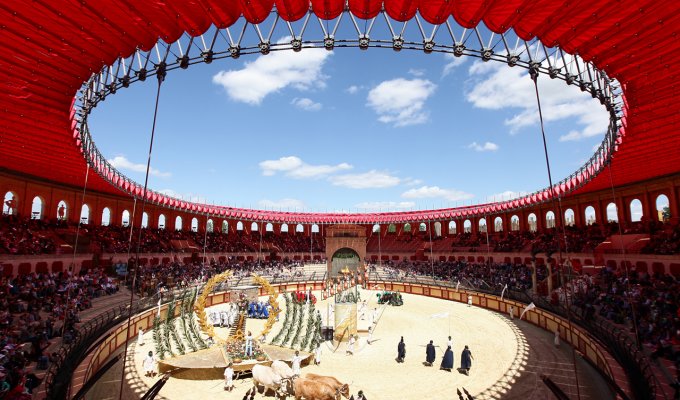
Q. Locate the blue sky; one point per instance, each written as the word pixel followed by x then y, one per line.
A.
pixel 348 130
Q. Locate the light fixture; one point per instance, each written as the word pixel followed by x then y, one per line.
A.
pixel 183 61
pixel 512 59
pixel 428 46
pixel 296 44
pixel 207 56
pixel 458 49
pixel 486 54
pixel 264 47
pixel 235 51
pixel 397 43
pixel 329 42
pixel 364 42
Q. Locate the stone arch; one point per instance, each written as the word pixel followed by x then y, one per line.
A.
pixel 422 227
pixel 210 225
pixel 299 228
pixel 145 220
pixel 37 207
pixel 437 229
pixel 269 227
pixel 531 221
pixel 284 228
pixel 663 210
pixel 85 214
pixel 376 228
pixel 239 226
pixel 498 224
pixel 391 228
pixel 345 257
pixel 315 228
pixel 254 227
pixel 452 228
pixel 550 221
pixel 569 217
pixel 161 221
pixel 225 226
pixel 635 208
pixel 106 216
pixel 514 223
pixel 194 224
pixel 590 215
pixel 125 219
pixel 612 213
pixel 482 225
pixel 467 226
pixel 407 227
pixel 62 210
pixel 10 203
pixel 178 223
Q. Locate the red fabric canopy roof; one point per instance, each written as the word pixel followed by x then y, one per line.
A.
pixel 51 48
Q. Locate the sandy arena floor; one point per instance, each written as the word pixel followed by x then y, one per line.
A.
pixel 506 362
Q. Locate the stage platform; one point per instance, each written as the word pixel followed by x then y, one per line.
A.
pixel 210 363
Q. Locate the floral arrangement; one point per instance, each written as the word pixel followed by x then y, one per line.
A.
pixel 237 349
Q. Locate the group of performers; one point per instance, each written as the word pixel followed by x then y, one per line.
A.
pixel 447 361
pixel 258 309
pixel 224 318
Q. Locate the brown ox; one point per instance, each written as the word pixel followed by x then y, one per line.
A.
pixel 339 387
pixel 313 390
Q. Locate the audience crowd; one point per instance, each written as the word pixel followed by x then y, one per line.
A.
pixel 34 310
pixel 25 236
pixel 469 274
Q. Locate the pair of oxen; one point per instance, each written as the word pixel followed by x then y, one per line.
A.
pixel 280 378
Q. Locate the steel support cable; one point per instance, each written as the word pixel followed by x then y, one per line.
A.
pixel 533 72
pixel 75 244
pixel 160 74
pixel 625 263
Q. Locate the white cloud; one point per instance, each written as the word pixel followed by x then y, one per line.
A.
pixel 411 181
pixel 274 72
pixel 294 167
pixel 368 180
pixel 496 87
pixel 487 146
pixel 306 104
pixel 429 192
pixel 120 162
pixel 416 72
pixel 401 101
pixel 385 205
pixel 353 89
pixel 452 62
pixel 282 204
pixel 196 198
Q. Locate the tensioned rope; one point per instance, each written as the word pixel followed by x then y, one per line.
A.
pixel 533 73
pixel 160 75
pixel 625 262
pixel 75 245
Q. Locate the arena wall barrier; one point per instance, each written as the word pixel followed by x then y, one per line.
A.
pixel 588 346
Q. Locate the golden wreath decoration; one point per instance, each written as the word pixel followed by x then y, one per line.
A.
pixel 272 302
pixel 199 308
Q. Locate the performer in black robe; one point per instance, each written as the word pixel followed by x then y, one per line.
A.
pixel 401 350
pixel 430 353
pixel 447 361
pixel 466 360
